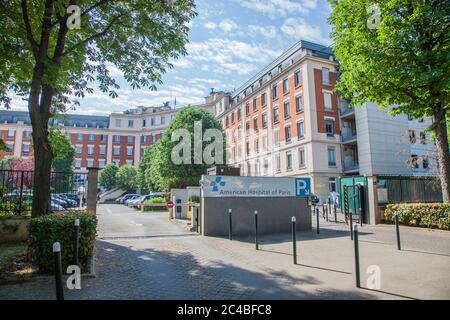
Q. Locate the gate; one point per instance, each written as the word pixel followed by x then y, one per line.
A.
pixel 354 195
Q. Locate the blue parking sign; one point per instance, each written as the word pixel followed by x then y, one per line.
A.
pixel 303 187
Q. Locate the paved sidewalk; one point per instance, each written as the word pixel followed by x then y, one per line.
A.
pixel 143 256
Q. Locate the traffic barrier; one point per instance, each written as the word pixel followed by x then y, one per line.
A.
pixel 58 271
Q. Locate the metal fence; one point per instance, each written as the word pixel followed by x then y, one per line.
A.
pixel 68 191
pixel 403 189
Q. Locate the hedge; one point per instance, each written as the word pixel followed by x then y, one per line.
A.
pixel 429 215
pixel 155 200
pixel 46 230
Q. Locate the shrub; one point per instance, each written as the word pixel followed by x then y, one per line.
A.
pixel 194 199
pixel 46 230
pixel 429 215
pixel 156 200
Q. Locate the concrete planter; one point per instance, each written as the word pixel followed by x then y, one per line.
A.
pixel 14 229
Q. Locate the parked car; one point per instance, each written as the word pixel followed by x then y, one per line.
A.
pixel 73 197
pixel 55 199
pixel 71 202
pixel 127 197
pixel 136 196
pixel 56 207
pixel 137 202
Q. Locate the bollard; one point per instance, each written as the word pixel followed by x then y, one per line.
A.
pixel 335 213
pixel 294 240
pixel 230 230
pixel 326 212
pixel 397 229
pixel 256 230
pixel 317 224
pixel 356 245
pixel 58 271
pixel 351 224
pixel 76 241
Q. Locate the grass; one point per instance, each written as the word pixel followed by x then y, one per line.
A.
pixel 13 261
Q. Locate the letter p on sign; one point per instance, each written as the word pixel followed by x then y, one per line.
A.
pixel 303 187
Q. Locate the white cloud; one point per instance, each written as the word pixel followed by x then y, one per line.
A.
pixel 276 8
pixel 226 25
pixel 298 28
pixel 268 31
pixel 210 25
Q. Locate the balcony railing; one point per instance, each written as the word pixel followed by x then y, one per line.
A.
pixel 345 110
pixel 348 134
pixel 350 164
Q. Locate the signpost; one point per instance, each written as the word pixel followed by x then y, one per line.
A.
pixel 170 204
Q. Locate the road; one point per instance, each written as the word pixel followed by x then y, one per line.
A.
pixel 144 256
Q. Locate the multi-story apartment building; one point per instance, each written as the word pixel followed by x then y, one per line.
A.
pixel 286 121
pixel 120 138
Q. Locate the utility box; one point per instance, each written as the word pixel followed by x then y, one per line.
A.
pixel 224 171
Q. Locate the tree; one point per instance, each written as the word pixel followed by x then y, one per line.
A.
pixel 53 50
pixel 126 178
pixel 63 151
pixel 395 53
pixel 108 176
pixel 161 171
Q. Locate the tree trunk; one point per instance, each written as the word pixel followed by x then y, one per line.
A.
pixel 42 169
pixel 443 157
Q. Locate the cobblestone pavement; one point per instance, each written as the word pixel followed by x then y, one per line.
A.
pixel 143 256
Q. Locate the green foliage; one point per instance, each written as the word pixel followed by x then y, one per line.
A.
pixel 429 215
pixel 127 178
pixel 46 230
pixel 139 37
pixel 63 151
pixel 194 199
pixel 153 201
pixel 404 62
pixel 108 176
pixel 3 146
pixel 157 168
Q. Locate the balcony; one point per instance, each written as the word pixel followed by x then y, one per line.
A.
pixel 350 164
pixel 346 111
pixel 349 135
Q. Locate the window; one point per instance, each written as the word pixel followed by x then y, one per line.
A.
pixel 116 139
pixel 331 157
pixel 266 167
pixel 285 86
pixel 264 120
pixel 102 138
pixel 276 138
pixel 79 149
pixel 327 101
pixel 255 123
pixel 255 104
pixel 90 163
pixel 298 104
pixel 249 169
pixel 27 134
pixel 287 132
pixel 256 145
pixel 247 148
pixel 144 123
pixel 26 148
pixel 118 123
pixel 129 151
pixel 274 92
pixel 257 168
pixel 153 121
pixel 287 109
pixel 144 139
pixel 300 130
pixel 289 160
pixel 278 162
pixel 297 78
pixel 425 162
pixel 130 139
pixel 10 133
pixel 232 118
pixel 90 150
pixel 330 127
pixel 77 164
pixel 10 146
pixel 102 150
pixel 276 115
pixel 326 75
pixel 247 109
pixel 239 114
pixel 79 137
pixel 264 140
pixel 301 158
pixel 263 99
pixel 91 137
pixel 163 120
pixel 332 186
pixel 117 151
pixel 101 163
pixel 130 123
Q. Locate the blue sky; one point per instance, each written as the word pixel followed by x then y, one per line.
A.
pixel 230 40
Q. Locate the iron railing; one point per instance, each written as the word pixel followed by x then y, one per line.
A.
pixel 68 191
